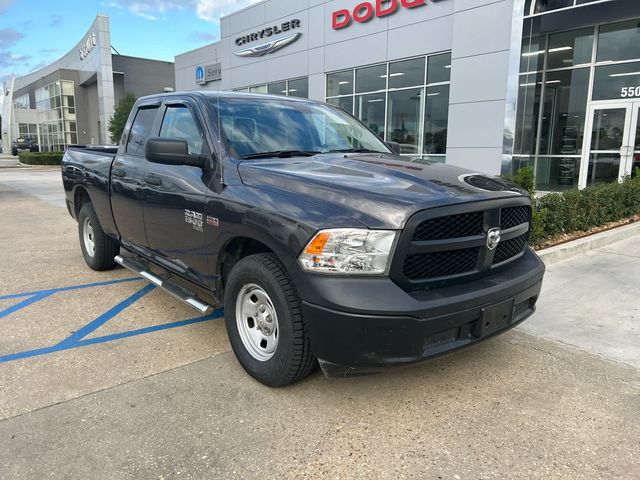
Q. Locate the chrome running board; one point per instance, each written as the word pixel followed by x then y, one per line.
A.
pixel 186 296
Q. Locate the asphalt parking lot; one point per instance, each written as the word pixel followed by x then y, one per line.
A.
pixel 105 377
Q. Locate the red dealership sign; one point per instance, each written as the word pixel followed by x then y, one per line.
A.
pixel 365 11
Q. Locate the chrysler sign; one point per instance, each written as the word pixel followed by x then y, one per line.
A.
pixel 272 44
pixel 365 11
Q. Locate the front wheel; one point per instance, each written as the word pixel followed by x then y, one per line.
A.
pixel 264 321
pixel 98 249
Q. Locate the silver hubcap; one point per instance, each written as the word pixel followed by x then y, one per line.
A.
pixel 87 235
pixel 257 322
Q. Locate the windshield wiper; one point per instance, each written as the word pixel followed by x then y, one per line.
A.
pixel 356 150
pixel 281 154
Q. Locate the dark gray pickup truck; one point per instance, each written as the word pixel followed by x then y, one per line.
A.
pixel 322 243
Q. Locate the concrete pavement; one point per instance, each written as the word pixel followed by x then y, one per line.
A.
pixel 557 398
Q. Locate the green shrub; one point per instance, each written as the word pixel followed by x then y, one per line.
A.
pixel 525 178
pixel 579 210
pixel 41 158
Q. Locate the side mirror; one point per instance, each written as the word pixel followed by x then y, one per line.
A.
pixel 172 151
pixel 394 146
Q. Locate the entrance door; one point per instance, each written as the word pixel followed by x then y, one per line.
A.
pixel 612 143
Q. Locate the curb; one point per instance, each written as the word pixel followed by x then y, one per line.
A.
pixel 572 249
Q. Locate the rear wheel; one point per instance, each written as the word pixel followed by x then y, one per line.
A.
pixel 98 249
pixel 264 321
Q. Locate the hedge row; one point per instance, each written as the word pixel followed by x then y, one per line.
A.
pixel 41 158
pixel 579 210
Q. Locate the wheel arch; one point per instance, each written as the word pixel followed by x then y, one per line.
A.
pixel 80 197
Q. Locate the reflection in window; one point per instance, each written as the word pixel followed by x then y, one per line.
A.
pixel 436 119
pixel 340 83
pixel 299 88
pixel 277 88
pixel 564 115
pixel 617 81
pixel 570 48
pixel 547 5
pixel 553 173
pixel 528 114
pixel 439 68
pixel 371 79
pixel 532 58
pixel 345 103
pixel 620 41
pixel 140 131
pixel 179 123
pixel 403 123
pixel 370 110
pixel 408 73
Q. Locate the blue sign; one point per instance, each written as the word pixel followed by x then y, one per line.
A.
pixel 200 75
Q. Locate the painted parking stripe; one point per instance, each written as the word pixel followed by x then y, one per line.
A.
pixel 70 288
pixel 24 304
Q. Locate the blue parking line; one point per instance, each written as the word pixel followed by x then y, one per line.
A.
pixel 108 338
pixel 70 288
pixel 105 317
pixel 24 304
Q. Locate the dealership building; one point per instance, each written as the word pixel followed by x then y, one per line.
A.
pixel 491 85
pixel 72 100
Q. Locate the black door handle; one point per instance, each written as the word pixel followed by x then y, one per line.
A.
pixel 119 172
pixel 153 180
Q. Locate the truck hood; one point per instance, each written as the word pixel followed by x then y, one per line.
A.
pixel 380 191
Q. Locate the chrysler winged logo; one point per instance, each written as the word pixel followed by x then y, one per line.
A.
pixel 268 47
pixel 493 238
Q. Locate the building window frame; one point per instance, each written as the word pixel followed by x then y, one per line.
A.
pixel 424 86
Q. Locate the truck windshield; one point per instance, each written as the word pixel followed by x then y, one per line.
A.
pixel 264 128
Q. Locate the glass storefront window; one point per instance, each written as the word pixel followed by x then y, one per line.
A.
pixel 299 87
pixel 277 88
pixel 528 114
pixel 371 79
pixel 409 103
pixel 340 83
pixel 370 110
pixel 557 173
pixel 568 49
pixel 436 119
pixel 547 5
pixel 403 122
pixel 564 112
pixel 620 41
pixel 617 81
pixel 532 58
pixel 439 68
pixel 345 103
pixel 408 73
pixel 258 89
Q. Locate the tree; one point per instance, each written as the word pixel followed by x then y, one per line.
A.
pixel 120 115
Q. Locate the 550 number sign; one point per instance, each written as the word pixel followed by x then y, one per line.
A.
pixel 628 92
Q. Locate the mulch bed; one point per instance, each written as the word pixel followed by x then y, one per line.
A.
pixel 568 237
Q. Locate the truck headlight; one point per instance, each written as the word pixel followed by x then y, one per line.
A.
pixel 349 251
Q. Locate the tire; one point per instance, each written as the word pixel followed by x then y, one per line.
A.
pixel 14 152
pixel 263 278
pixel 105 248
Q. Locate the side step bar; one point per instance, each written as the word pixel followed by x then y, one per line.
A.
pixel 180 293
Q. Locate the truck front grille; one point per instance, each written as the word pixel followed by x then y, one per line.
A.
pixel 450 244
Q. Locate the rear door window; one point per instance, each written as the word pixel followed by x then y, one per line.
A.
pixel 141 131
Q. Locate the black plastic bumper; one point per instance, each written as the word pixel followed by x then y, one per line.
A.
pixel 402 328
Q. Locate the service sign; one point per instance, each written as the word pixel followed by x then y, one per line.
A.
pixel 88 45
pixel 208 73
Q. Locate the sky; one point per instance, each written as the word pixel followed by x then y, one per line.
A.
pixel 34 33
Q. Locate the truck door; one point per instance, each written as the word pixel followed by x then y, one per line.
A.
pixel 174 214
pixel 127 178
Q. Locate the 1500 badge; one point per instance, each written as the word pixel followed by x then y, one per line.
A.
pixel 195 219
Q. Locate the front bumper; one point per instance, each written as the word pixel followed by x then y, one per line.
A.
pixel 400 328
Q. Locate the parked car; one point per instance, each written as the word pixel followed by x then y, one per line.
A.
pixel 24 144
pixel 321 243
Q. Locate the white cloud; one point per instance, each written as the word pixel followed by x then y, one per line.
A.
pixel 4 4
pixel 209 10
pixel 212 10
